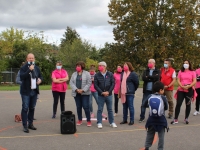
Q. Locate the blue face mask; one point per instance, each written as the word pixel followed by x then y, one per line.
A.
pixel 31 63
pixel 166 65
pixel 58 67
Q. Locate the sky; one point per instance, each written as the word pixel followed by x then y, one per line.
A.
pixel 88 17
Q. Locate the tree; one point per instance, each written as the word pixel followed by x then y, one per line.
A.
pixel 69 36
pixel 156 29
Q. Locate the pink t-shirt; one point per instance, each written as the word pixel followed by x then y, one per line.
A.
pixel 59 87
pixel 198 82
pixel 117 77
pixel 186 78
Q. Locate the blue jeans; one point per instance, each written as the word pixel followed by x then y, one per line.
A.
pixel 28 108
pixel 143 109
pixel 108 101
pixel 95 95
pixel 82 101
pixel 126 105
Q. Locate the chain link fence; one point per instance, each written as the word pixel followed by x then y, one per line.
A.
pixel 9 75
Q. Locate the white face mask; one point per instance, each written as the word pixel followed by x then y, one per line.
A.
pixel 186 66
pixel 58 67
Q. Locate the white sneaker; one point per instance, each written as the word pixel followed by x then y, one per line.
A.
pixel 113 125
pixel 196 113
pixel 115 114
pixel 99 125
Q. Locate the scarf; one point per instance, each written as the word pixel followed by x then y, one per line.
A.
pixel 123 87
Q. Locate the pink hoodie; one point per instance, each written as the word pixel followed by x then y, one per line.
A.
pixel 198 82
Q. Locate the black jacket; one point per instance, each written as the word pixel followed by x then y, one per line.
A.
pixel 102 84
pixel 147 78
pixel 132 82
pixel 26 79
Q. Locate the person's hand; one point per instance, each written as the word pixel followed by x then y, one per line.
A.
pixel 165 87
pixel 105 94
pixel 39 81
pixel 31 67
pixel 185 87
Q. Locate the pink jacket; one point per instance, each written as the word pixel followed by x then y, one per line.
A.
pixel 117 77
pixel 59 87
pixel 198 74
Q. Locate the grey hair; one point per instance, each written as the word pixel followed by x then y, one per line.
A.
pixel 152 60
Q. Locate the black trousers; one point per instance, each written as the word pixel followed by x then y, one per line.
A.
pixel 197 99
pixel 56 96
pixel 116 103
pixel 180 97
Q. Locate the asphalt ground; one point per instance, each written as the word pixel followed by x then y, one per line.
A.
pixel 124 137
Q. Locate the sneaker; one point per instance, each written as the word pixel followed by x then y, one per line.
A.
pixel 113 125
pixel 141 120
pixel 92 115
pixel 196 113
pixel 115 114
pixel 54 116
pixel 175 121
pixel 186 121
pixel 99 125
pixel 170 116
pixel 89 124
pixel 79 123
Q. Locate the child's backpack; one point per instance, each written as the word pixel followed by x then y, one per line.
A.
pixel 156 105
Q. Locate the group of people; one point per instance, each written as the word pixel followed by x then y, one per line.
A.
pixel 100 85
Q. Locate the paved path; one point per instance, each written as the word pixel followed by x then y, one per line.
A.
pixel 48 137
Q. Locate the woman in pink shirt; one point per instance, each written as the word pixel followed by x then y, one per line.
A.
pixel 117 77
pixel 186 81
pixel 198 92
pixel 59 86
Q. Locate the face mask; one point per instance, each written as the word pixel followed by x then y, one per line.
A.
pixel 100 68
pixel 166 65
pixel 150 65
pixel 78 69
pixel 31 62
pixel 119 69
pixel 58 67
pixel 126 68
pixel 186 66
pixel 91 72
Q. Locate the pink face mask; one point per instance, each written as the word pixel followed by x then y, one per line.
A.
pixel 100 68
pixel 92 72
pixel 150 65
pixel 78 69
pixel 119 69
pixel 126 68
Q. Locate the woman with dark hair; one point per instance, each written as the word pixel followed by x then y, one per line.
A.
pixel 80 83
pixel 129 85
pixel 117 77
pixel 186 82
pixel 59 86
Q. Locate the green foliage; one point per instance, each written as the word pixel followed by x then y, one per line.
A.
pixel 90 62
pixel 69 36
pixel 155 29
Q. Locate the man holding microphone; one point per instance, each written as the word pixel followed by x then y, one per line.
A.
pixel 31 77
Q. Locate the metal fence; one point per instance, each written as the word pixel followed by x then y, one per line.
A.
pixel 9 75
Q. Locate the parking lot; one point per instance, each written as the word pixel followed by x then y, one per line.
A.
pixel 48 137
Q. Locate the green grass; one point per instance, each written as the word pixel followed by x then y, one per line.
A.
pixel 16 87
pixel 48 87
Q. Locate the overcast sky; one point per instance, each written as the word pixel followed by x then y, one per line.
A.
pixel 88 17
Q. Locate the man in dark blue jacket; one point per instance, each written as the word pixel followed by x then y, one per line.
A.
pixel 104 84
pixel 31 77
